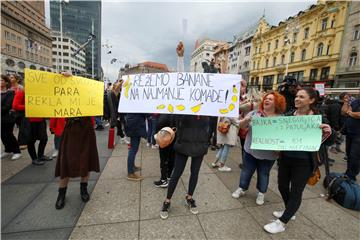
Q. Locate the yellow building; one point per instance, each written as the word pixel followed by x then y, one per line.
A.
pixel 306 46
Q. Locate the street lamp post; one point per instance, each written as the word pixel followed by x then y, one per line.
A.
pixel 62 3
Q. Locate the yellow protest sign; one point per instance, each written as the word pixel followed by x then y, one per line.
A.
pixel 53 95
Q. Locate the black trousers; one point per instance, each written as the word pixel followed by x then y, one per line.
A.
pixel 8 138
pixel 293 175
pixel 167 158
pixel 119 124
pixel 38 132
pixel 212 131
pixel 353 154
pixel 180 163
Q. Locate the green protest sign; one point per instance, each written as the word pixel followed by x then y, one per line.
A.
pixel 298 133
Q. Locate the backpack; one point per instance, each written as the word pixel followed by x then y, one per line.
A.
pixel 343 190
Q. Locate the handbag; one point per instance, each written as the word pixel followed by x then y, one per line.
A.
pixel 316 174
pixel 223 127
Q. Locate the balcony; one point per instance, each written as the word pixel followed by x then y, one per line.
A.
pixel 320 61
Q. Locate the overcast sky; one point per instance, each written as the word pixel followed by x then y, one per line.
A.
pixel 149 31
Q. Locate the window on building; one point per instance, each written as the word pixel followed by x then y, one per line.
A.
pixel 299 76
pixel 328 50
pixel 54 45
pixel 13 49
pixel 18 39
pixel 268 47
pixel 303 55
pixel 13 37
pixel 353 59
pixel 268 82
pixel 313 74
pixel 266 63
pixel 282 59
pixel 66 61
pixel 276 43
pixel 356 34
pixel 332 23
pixel 254 65
pixel 292 57
pixel 67 47
pixel 306 33
pixel 247 51
pixel 258 65
pixel 66 54
pixel 280 78
pixel 325 73
pixel 320 49
pixel 294 37
pixel 274 61
pixel 7 35
pixel 19 52
pixel 324 24
pixel 65 40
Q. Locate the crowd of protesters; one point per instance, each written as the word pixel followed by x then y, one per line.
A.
pixel 194 135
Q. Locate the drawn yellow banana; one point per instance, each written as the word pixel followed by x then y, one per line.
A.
pixel 180 107
pixel 162 106
pixel 235 91
pixel 234 99
pixel 170 108
pixel 231 107
pixel 127 90
pixel 224 111
pixel 196 108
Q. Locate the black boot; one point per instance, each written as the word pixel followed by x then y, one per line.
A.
pixel 83 192
pixel 60 202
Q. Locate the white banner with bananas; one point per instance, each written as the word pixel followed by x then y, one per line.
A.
pixel 181 93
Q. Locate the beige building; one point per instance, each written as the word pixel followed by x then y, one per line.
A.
pixel 25 39
pixel 145 67
pixel 221 55
pixel 305 46
pixel 348 69
pixel 204 52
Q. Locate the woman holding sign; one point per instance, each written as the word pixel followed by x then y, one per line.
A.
pixel 78 156
pixel 261 161
pixel 296 167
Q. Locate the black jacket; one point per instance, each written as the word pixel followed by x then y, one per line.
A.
pixel 6 105
pixel 135 125
pixel 333 114
pixel 113 105
pixel 192 135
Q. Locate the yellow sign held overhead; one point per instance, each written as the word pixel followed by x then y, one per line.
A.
pixel 53 95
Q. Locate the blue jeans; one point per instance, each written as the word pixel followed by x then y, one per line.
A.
pixel 223 153
pixel 263 167
pixel 98 121
pixel 154 122
pixel 134 146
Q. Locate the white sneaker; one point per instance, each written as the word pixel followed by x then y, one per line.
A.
pixel 260 199
pixel 55 154
pixel 238 192
pixel 275 227
pixel 5 154
pixel 224 169
pixel 278 214
pixel 16 156
pixel 215 164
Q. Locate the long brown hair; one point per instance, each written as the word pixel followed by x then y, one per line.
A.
pixel 312 95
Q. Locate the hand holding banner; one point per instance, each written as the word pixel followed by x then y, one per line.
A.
pixel 181 93
pixel 297 133
pixel 53 95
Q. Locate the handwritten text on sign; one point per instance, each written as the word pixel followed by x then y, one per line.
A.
pixel 298 133
pixel 53 95
pixel 181 93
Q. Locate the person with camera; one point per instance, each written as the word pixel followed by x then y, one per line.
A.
pixel 261 161
pixel 288 89
pixel 192 141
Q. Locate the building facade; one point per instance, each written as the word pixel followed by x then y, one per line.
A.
pixel 25 39
pixel 75 64
pixel 239 60
pixel 145 67
pixel 306 46
pixel 221 55
pixel 77 21
pixel 204 52
pixel 348 69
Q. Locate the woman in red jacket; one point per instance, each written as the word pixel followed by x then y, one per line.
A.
pixel 37 132
pixel 57 127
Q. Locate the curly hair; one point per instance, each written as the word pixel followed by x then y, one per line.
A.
pixel 279 101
